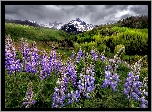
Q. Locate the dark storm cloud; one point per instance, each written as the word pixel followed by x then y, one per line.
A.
pixel 125 16
pixel 143 9
pixel 24 12
pixel 92 14
pixel 106 14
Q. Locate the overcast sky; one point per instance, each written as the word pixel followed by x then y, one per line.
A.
pixel 91 14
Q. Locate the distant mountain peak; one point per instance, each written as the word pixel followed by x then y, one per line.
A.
pixel 77 26
pixel 78 19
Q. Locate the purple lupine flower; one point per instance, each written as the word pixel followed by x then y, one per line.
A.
pixel 107 68
pixel 25 53
pixel 72 56
pixel 106 83
pixel 134 95
pixel 12 64
pixel 79 55
pixel 31 67
pixel 116 77
pixel 53 60
pixel 8 58
pixel 45 66
pixel 58 97
pixel 113 85
pixel 143 102
pixel 72 71
pixel 137 90
pixel 87 95
pixel 94 54
pixel 131 86
pixel 30 57
pixel 90 83
pixel 110 78
pixel 107 74
pixel 144 94
pixel 86 82
pixel 134 87
pixel 53 53
pixel 35 56
pixel 143 105
pixel 60 91
pixel 73 96
pixel 24 48
pixel 102 57
pixel 28 100
pixel 59 65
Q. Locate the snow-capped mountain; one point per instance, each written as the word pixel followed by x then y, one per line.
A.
pixel 77 26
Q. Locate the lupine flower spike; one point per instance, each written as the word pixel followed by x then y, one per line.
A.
pixel 94 54
pixel 86 82
pixel 28 100
pixel 79 55
pixel 45 66
pixel 12 63
pixel 144 93
pixel 59 92
pixel 111 77
pixel 133 87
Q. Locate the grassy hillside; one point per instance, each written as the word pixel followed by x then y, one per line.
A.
pixel 55 79
pixel 108 37
pixel 43 37
pixel 103 37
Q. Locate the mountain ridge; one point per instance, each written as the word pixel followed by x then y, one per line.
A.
pixel 76 26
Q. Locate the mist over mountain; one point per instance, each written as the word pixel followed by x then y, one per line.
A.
pixel 78 26
pixel 26 22
pixel 74 26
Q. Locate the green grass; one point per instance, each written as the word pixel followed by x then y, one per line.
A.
pixel 17 83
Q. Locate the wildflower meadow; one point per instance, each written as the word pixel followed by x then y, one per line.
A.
pixel 37 79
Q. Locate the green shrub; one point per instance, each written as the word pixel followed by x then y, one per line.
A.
pixel 88 46
pixel 134 41
pixel 102 47
pixel 76 46
pixel 91 44
pixel 118 47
